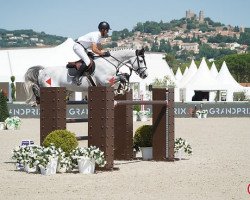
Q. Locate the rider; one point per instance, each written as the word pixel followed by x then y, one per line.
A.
pixel 91 41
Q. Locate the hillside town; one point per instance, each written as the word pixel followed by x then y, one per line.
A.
pixel 177 36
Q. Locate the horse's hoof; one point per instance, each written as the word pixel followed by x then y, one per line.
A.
pixel 34 104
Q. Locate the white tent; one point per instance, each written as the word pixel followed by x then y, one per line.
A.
pixel 202 81
pixel 227 81
pixel 188 75
pixel 214 72
pixel 186 71
pixel 178 75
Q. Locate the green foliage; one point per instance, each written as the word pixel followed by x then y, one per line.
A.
pixel 143 136
pixel 13 88
pixel 212 23
pixel 244 38
pixel 164 46
pixel 12 78
pixel 163 83
pixel 110 45
pixel 63 139
pixel 4 113
pixel 239 96
pixel 155 27
pixel 238 65
pixel 137 108
pixel 220 38
pixel 24 38
pixel 116 35
pixel 170 60
pixel 209 52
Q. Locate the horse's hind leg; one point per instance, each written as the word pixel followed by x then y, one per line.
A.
pixel 36 91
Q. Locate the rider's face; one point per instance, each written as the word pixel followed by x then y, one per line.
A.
pixel 104 32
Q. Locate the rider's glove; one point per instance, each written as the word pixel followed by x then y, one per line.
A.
pixel 106 54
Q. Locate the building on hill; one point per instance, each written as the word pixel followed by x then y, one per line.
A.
pixel 190 14
pixel 190 47
pixel 201 16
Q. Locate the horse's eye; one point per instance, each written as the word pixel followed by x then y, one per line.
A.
pixel 141 61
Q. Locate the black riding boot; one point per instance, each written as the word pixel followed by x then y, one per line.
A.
pixel 78 78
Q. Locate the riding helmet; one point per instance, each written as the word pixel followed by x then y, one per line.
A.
pixel 104 25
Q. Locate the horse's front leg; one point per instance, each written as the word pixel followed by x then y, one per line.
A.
pixel 120 83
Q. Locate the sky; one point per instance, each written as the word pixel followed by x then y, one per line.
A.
pixel 74 18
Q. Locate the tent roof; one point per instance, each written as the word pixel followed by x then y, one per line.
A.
pixel 203 80
pixel 186 71
pixel 226 79
pixel 188 75
pixel 178 75
pixel 214 72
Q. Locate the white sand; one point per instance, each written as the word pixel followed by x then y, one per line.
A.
pixel 218 169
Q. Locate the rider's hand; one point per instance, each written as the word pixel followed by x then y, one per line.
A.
pixel 106 54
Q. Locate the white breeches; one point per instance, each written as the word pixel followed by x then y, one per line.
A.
pixel 80 51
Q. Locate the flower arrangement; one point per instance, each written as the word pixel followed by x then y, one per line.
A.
pixel 13 122
pixel 144 115
pixel 51 159
pixel 46 155
pixel 182 144
pixel 198 112
pixel 34 156
pixel 144 112
pixel 204 111
pixel 201 113
pixel 26 155
pixel 91 152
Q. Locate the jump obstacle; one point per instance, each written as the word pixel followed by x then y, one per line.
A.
pixel 110 121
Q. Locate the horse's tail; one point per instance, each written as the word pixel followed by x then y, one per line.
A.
pixel 31 81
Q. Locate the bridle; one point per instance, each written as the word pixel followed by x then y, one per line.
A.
pixel 138 53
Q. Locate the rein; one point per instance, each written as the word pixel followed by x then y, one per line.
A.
pixel 120 63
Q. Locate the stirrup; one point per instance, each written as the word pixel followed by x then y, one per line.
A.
pixel 77 80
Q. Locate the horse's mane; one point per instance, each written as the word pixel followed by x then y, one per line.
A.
pixel 126 53
pixel 121 49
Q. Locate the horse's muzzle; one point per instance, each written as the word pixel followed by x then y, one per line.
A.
pixel 143 76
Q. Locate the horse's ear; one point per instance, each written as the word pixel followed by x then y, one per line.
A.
pixel 137 52
pixel 141 52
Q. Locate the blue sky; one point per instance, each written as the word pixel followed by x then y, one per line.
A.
pixel 73 18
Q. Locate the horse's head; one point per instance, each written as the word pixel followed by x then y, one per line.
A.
pixel 139 64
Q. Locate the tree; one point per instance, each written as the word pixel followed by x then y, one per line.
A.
pixel 155 47
pixel 238 65
pixel 166 82
pixel 164 47
pixel 244 38
pixel 170 60
pixel 13 88
pixel 4 113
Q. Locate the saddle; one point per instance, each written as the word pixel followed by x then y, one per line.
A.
pixel 78 69
pixel 80 66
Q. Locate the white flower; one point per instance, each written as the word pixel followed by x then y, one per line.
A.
pixel 13 121
pixel 88 152
pixel 181 143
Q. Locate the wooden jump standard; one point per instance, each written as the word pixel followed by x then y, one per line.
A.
pixel 110 121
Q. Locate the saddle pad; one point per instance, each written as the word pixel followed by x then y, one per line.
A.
pixel 73 72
